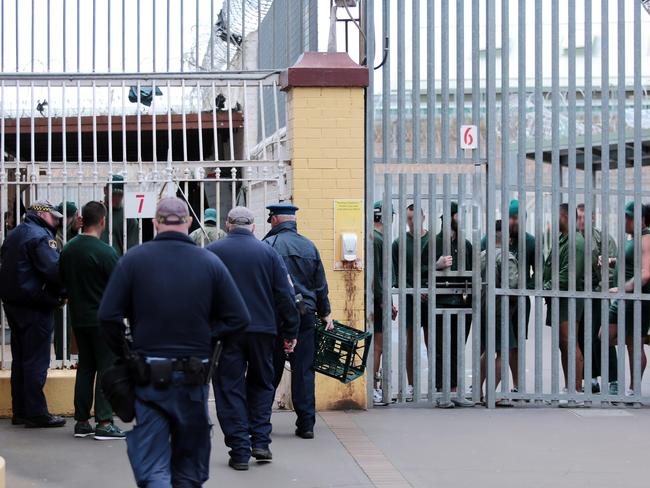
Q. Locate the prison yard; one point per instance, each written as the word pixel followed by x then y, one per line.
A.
pixel 345 243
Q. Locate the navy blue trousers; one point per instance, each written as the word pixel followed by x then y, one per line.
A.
pixel 302 373
pixel 170 443
pixel 243 391
pixel 31 338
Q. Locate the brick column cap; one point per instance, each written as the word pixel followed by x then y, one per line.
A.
pixel 313 69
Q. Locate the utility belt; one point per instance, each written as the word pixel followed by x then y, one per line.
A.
pixel 158 372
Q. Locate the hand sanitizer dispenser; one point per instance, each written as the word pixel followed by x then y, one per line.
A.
pixel 349 246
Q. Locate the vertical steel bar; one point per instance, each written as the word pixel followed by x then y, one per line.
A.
pixel 573 279
pixel 196 39
pixel 153 40
pixel 476 209
pixel 620 174
pixel 504 324
pixel 124 38
pixel 228 35
pixel 605 184
pixel 215 139
pixel 556 193
pixel 589 210
pixel 369 27
pixel 199 116
pixel 17 44
pixel 431 117
pixel 49 35
pixel 387 349
pixel 243 33
pixel 94 35
pixel 137 19
pixel 78 36
pixel 231 141
pixel 416 331
pixel 401 132
pixel 523 264
pixel 108 35
pixel 638 90
pixel 181 16
pixel 212 35
pixel 32 34
pixel 491 193
pixel 184 120
pixel 168 33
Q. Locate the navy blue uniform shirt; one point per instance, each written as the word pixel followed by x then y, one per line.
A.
pixel 177 297
pixel 29 273
pixel 263 281
pixel 304 265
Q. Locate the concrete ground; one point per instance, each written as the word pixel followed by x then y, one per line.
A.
pixel 387 447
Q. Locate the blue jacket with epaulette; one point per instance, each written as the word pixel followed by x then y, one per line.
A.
pixel 29 266
pixel 263 280
pixel 178 298
pixel 304 265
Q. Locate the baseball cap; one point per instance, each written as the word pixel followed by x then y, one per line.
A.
pixel 210 215
pixel 629 209
pixel 45 206
pixel 118 183
pixel 241 216
pixel 377 208
pixel 454 209
pixel 172 211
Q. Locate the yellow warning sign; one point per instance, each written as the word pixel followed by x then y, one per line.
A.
pixel 348 234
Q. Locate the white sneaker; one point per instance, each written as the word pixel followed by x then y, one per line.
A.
pixel 409 393
pixel 377 395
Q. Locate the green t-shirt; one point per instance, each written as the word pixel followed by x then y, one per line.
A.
pixel 630 270
pixel 85 265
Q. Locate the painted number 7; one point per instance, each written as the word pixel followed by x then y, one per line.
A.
pixel 141 198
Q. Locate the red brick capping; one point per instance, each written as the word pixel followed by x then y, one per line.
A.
pixel 314 69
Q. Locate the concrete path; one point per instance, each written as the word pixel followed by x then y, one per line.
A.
pixel 387 447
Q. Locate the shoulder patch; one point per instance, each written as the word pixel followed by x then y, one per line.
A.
pixel 52 243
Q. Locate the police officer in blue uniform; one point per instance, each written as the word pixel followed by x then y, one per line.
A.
pixel 243 385
pixel 31 290
pixel 306 271
pixel 179 299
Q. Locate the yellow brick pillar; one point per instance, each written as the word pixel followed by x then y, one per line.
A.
pixel 325 127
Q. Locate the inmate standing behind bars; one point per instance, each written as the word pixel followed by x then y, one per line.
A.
pixel 31 290
pixel 306 270
pixel 179 300
pixel 243 385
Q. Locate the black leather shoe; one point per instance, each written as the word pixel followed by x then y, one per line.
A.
pixel 237 466
pixel 305 434
pixel 17 421
pixel 44 421
pixel 262 455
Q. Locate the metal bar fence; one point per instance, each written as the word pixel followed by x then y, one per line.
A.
pixel 563 147
pixel 95 132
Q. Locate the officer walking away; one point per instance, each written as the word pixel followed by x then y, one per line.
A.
pixel 243 384
pixel 378 292
pixel 116 206
pixel 72 226
pixel 31 290
pixel 308 276
pixel 86 265
pixel 179 299
pixel 211 233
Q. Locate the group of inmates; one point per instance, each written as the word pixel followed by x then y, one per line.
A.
pixel 568 257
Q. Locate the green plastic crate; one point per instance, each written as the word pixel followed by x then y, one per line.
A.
pixel 342 352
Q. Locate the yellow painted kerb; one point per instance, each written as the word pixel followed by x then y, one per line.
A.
pixel 59 392
pixel 326 141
